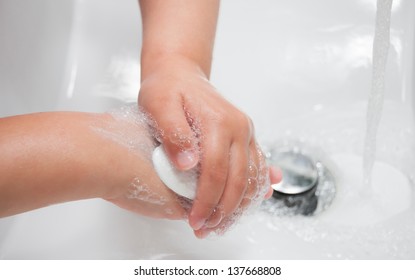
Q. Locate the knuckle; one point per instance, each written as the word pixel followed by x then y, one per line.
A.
pixel 244 124
pixel 178 136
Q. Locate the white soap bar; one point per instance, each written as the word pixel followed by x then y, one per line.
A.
pixel 183 183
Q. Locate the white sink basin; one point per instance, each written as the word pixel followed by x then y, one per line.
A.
pixel 300 69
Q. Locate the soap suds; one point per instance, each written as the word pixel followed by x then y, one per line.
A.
pixel 143 192
pixel 140 134
pixel 258 185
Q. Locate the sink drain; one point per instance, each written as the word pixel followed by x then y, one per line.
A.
pixel 307 187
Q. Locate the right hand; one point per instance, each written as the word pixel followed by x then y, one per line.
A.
pixel 198 127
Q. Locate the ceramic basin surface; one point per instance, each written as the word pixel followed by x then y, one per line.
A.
pixel 300 69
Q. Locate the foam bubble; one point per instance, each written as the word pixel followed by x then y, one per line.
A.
pixel 143 192
pixel 181 139
pixel 259 181
pixel 132 129
pixel 139 133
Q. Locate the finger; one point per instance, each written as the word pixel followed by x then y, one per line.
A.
pixel 236 185
pixel 239 172
pixel 258 188
pixel 258 185
pixel 269 193
pixel 212 180
pixel 254 167
pixel 216 217
pixel 223 226
pixel 275 174
pixel 178 138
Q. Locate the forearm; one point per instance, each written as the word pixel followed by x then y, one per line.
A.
pixel 198 127
pixel 178 28
pixel 49 158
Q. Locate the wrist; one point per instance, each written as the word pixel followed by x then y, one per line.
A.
pixel 157 62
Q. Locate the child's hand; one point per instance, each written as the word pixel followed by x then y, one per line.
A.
pixel 138 188
pixel 50 158
pixel 197 126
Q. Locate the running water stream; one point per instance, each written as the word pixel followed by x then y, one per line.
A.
pixel 381 44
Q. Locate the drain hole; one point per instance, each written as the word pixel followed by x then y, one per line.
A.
pixel 307 187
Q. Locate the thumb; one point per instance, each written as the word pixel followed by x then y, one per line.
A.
pixel 179 139
pixel 275 175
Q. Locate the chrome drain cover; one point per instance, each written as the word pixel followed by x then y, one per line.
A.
pixel 307 187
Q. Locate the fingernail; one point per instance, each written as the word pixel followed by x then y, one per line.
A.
pixel 202 233
pixel 198 224
pixel 215 219
pixel 186 160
